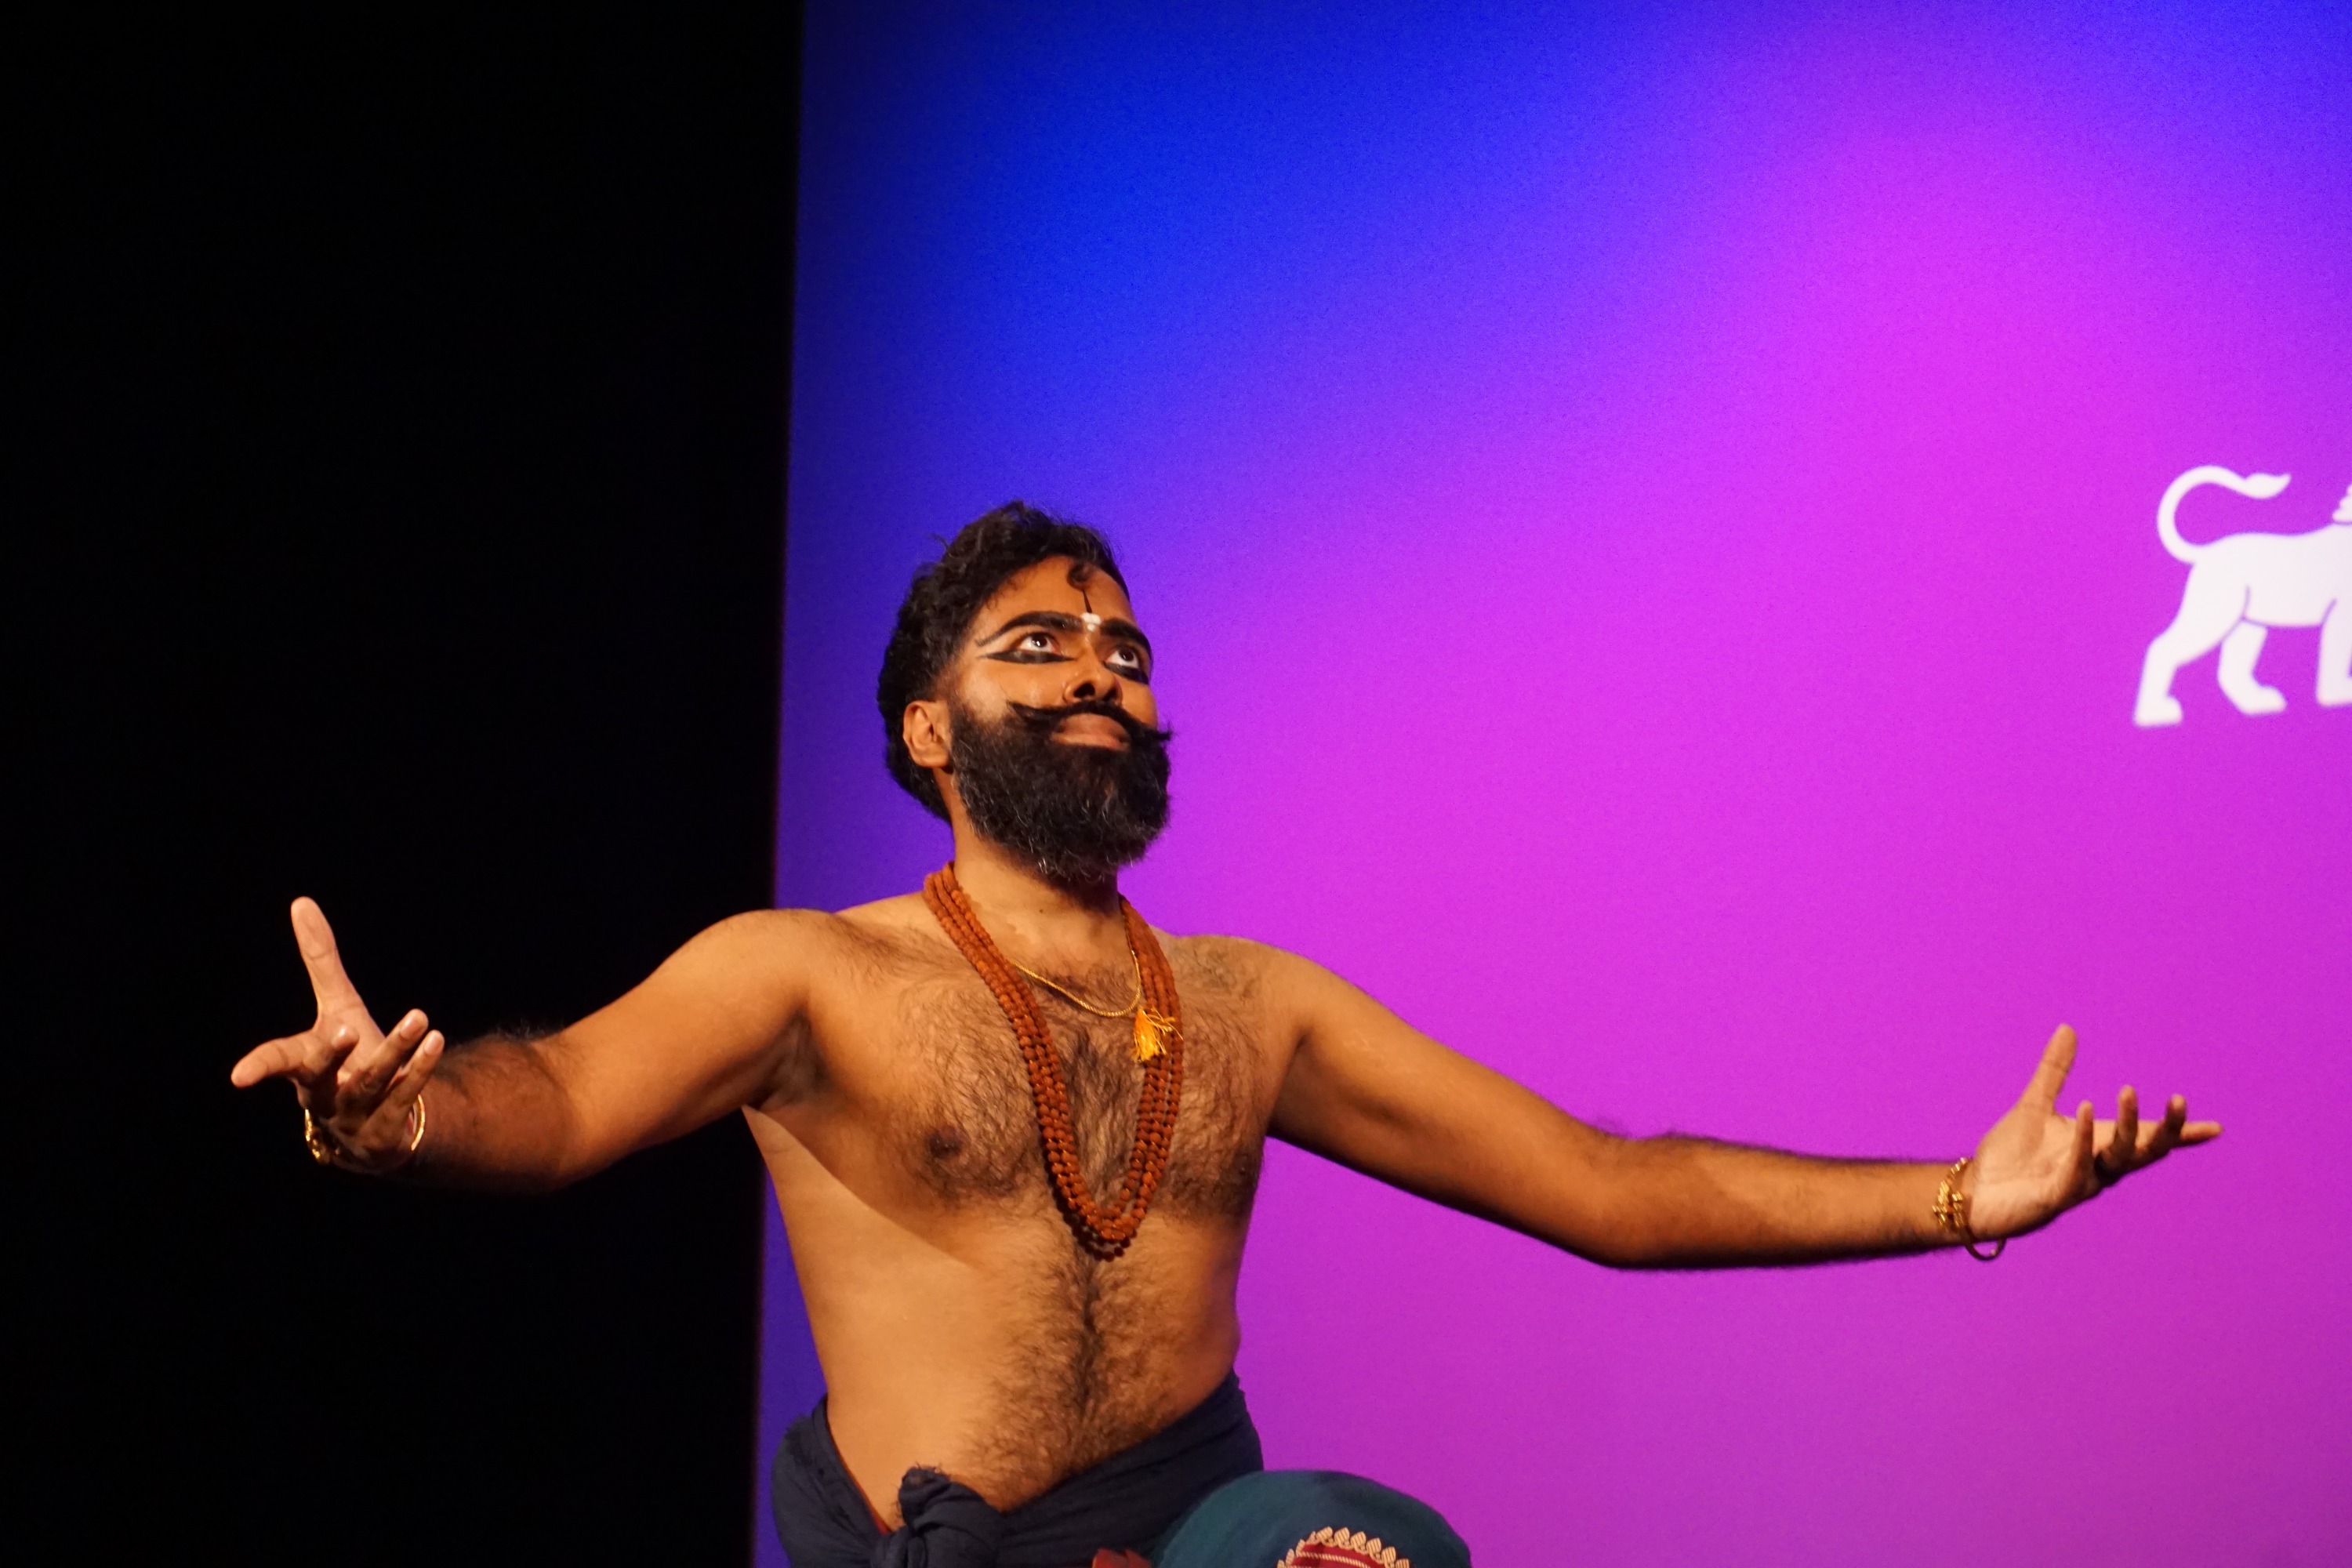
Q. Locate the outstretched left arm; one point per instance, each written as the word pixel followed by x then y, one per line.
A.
pixel 1368 1090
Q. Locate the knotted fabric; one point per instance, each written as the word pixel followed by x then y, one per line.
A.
pixel 949 1525
pixel 1129 1503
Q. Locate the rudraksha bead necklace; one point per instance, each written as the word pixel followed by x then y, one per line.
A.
pixel 1158 1045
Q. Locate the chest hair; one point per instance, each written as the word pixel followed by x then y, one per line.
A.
pixel 970 1130
pixel 1088 1335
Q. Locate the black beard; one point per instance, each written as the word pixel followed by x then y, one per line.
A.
pixel 1076 813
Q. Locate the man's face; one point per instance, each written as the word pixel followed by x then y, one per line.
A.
pixel 1045 727
pixel 1045 641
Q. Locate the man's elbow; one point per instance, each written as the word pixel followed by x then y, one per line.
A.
pixel 1614 1219
pixel 1622 1248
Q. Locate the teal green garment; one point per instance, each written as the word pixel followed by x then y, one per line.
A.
pixel 1255 1521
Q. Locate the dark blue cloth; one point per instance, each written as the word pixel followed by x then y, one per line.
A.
pixel 1129 1503
pixel 1255 1521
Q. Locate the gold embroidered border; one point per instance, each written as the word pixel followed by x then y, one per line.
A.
pixel 1335 1548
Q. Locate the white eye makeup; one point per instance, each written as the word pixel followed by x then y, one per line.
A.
pixel 1051 638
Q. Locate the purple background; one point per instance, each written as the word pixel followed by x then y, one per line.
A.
pixel 1649 526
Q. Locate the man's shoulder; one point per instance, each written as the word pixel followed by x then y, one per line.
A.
pixel 893 922
pixel 875 932
pixel 1209 947
pixel 1237 962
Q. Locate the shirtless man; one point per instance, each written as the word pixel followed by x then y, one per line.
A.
pixel 1006 1384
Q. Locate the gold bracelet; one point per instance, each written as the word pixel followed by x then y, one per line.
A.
pixel 322 1148
pixel 1952 1213
pixel 326 1151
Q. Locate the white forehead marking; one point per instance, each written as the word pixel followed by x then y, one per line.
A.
pixel 1091 621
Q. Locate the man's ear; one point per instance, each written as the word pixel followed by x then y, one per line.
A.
pixel 924 728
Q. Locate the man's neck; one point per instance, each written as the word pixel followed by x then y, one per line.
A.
pixel 1037 921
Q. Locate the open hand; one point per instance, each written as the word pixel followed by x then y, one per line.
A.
pixel 359 1084
pixel 2035 1164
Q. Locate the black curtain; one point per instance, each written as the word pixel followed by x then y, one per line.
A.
pixel 398 518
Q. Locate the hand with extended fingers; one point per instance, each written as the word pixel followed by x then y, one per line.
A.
pixel 360 1086
pixel 2035 1164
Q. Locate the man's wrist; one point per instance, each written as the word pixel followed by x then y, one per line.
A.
pixel 329 1149
pixel 1955 1196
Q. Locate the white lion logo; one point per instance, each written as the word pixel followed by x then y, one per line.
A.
pixel 2240 587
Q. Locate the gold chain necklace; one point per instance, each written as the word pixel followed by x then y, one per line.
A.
pixel 1075 1000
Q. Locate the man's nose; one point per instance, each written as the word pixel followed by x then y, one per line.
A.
pixel 1090 680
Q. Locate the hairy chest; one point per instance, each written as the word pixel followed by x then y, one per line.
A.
pixel 962 1116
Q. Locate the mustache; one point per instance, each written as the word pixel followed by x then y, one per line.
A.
pixel 1045 720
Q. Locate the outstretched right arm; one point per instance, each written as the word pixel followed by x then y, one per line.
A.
pixel 707 1032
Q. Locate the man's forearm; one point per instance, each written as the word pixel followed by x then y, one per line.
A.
pixel 1690 1203
pixel 498 1117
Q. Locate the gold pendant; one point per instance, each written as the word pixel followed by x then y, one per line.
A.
pixel 1153 1032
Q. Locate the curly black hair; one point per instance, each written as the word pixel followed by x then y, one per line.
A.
pixel 986 553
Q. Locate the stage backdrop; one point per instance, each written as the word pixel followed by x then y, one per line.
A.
pixel 1651 527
